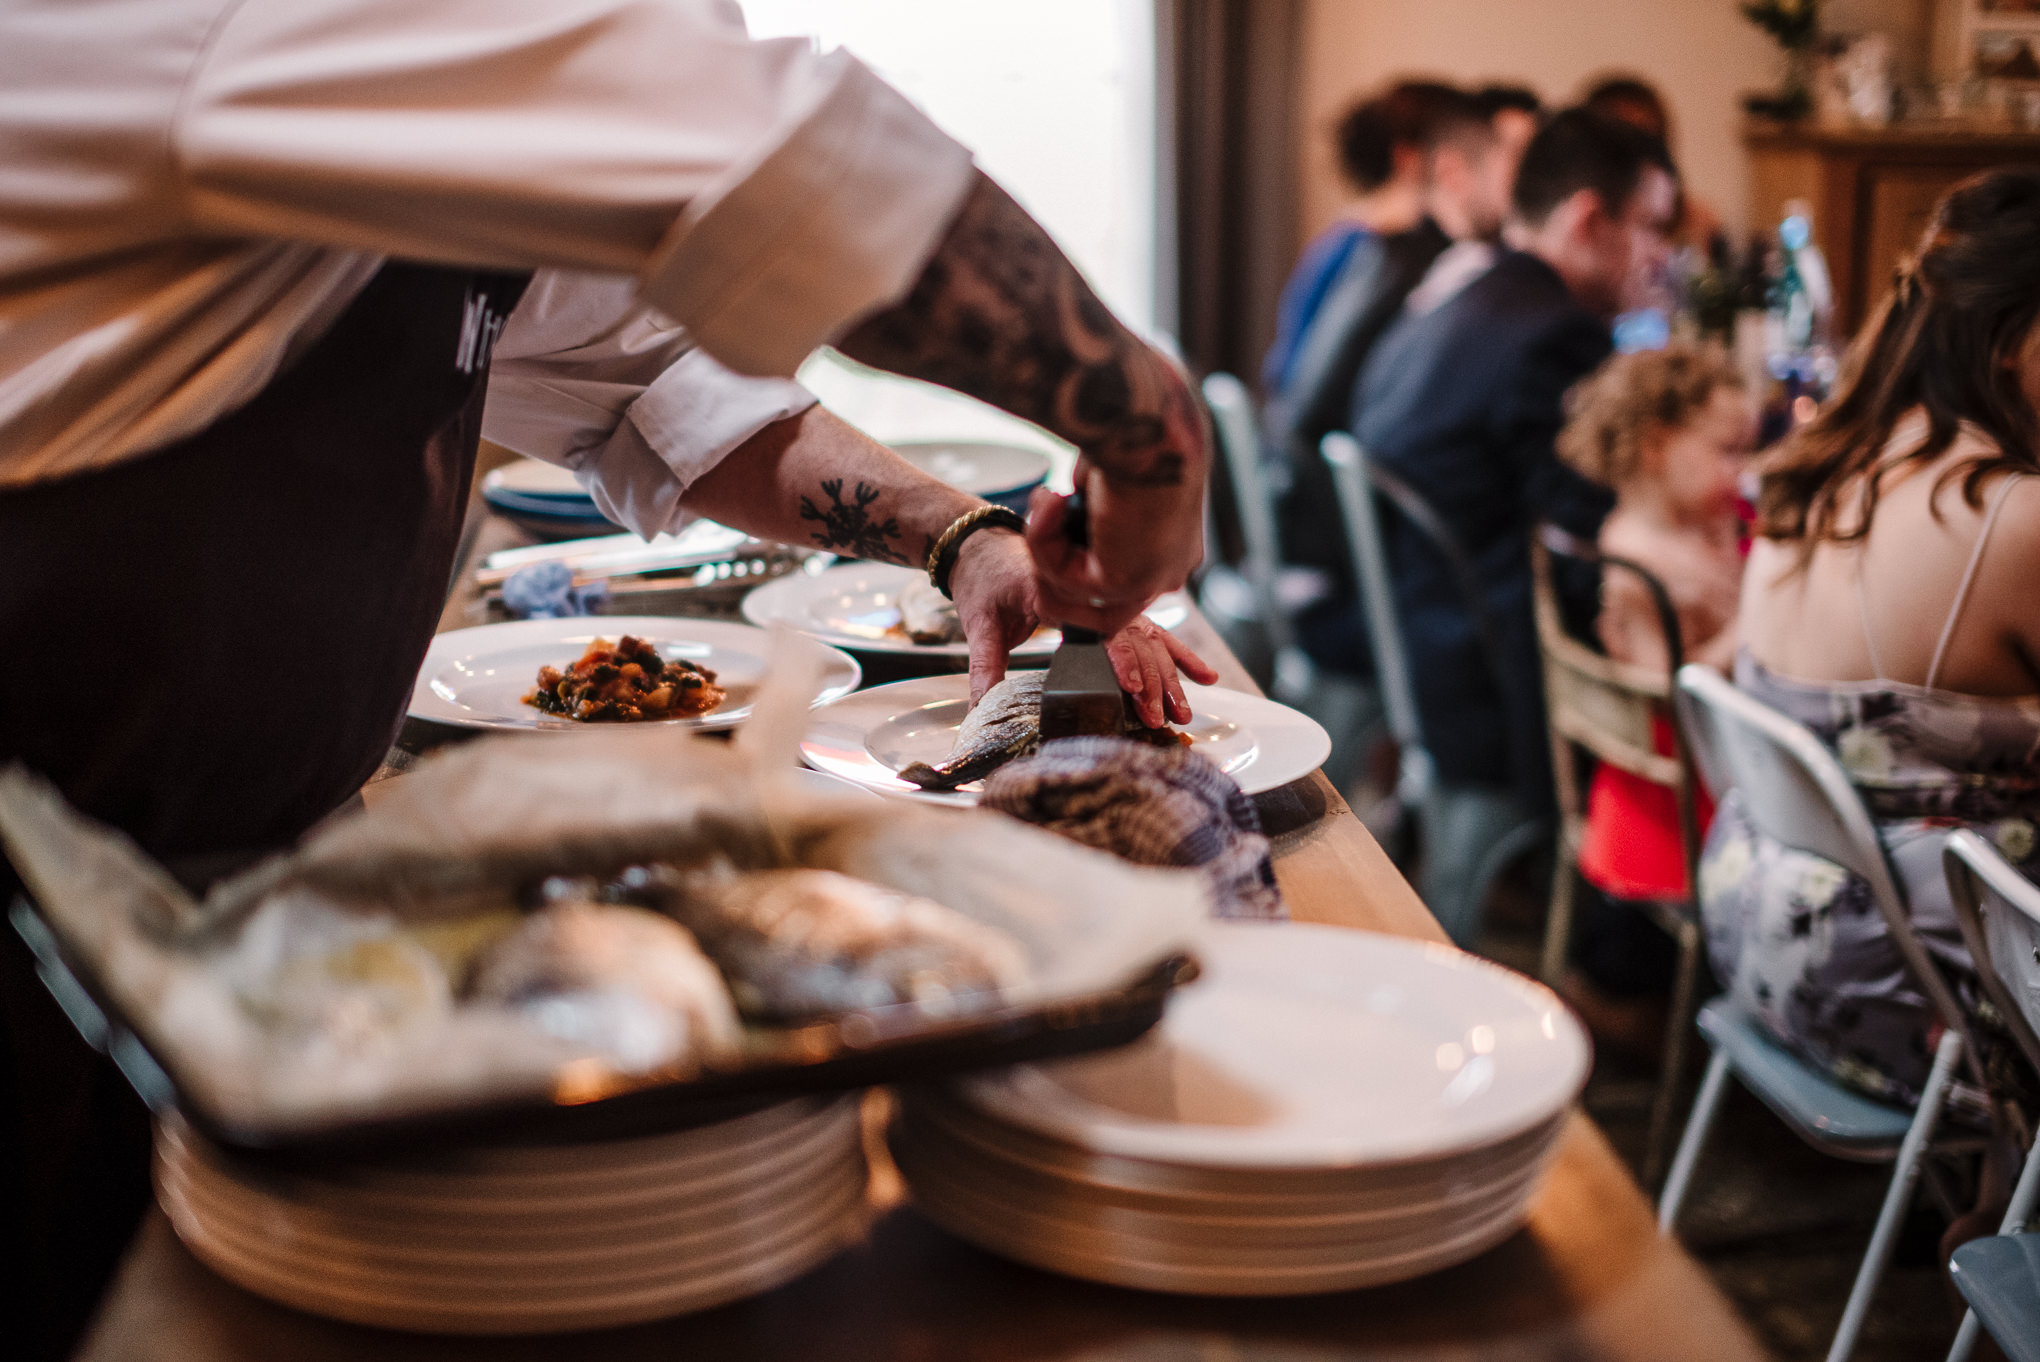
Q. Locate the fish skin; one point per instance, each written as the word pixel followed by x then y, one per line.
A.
pixel 1002 726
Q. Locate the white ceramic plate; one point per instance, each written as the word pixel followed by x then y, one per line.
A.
pixel 979 467
pixel 1123 1264
pixel 1304 1047
pixel 530 1205
pixel 588 1252
pixel 870 735
pixel 535 478
pixel 672 1286
pixel 1331 1195
pixel 933 1169
pixel 591 1248
pixel 1277 1246
pixel 478 678
pixel 856 606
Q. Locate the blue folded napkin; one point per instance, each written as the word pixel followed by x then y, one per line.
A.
pixel 546 591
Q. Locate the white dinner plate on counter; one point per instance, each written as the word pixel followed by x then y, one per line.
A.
pixel 478 678
pixel 856 606
pixel 869 736
pixel 1304 1046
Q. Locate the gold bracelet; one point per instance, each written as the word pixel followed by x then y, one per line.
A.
pixel 942 556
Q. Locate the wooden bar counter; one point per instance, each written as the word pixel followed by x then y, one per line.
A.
pixel 1588 1277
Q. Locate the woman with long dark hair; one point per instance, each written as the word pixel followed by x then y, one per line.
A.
pixel 1892 604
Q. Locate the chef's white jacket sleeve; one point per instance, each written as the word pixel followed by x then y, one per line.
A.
pixel 587 377
pixel 763 196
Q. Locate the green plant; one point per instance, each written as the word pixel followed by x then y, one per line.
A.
pixel 1794 24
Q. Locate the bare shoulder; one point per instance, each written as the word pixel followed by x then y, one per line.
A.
pixel 2010 571
pixel 2017 534
pixel 1773 586
pixel 1662 555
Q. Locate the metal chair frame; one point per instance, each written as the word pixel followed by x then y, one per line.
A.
pixel 1607 708
pixel 1359 479
pixel 1795 790
pixel 1980 881
pixel 1239 442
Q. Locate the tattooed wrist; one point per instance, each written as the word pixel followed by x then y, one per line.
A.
pixel 1000 313
pixel 851 527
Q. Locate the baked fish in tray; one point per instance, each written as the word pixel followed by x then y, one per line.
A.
pixel 620 934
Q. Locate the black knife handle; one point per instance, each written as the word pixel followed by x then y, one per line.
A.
pixel 1077 529
pixel 1077 519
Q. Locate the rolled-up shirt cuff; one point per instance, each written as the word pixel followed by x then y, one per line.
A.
pixel 685 424
pixel 832 221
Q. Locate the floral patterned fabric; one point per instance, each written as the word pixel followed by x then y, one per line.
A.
pixel 1798 940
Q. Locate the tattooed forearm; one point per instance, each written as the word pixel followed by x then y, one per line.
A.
pixel 1001 314
pixel 850 527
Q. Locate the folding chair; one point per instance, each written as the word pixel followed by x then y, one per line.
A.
pixel 1260 568
pixel 1611 710
pixel 1793 790
pixel 1470 833
pixel 1998 910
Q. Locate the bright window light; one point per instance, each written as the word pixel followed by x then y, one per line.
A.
pixel 1056 98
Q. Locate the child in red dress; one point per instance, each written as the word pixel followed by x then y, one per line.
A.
pixel 1669 430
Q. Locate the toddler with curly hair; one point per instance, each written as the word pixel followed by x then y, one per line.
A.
pixel 1669 430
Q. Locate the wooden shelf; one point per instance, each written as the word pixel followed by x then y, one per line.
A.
pixel 1872 190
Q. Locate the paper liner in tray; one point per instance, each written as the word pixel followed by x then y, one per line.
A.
pixel 1102 941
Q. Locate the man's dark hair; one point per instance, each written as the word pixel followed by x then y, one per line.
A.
pixel 1633 100
pixel 1403 115
pixel 1418 105
pixel 1366 146
pixel 1581 149
pixel 1457 117
pixel 1494 99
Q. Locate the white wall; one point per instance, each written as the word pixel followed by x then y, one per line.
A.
pixel 1701 53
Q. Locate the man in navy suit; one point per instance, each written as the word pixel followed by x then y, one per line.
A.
pixel 1464 396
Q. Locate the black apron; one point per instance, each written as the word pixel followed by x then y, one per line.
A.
pixel 211 648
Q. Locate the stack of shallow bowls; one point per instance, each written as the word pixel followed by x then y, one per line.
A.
pixel 545 499
pixel 1324 1109
pixel 1003 474
pixel 534 1238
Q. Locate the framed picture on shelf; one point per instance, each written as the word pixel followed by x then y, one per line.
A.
pixel 1997 41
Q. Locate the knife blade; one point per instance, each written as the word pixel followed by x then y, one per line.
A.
pixel 1081 694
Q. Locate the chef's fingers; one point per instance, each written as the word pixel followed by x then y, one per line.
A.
pixel 988 649
pixel 1069 580
pixel 1062 569
pixel 1141 665
pixel 1125 660
pixel 1130 666
pixel 1052 550
pixel 1198 670
pixel 1178 704
pixel 1153 690
pixel 1060 606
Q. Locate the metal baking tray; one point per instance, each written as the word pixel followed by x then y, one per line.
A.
pixel 883 1045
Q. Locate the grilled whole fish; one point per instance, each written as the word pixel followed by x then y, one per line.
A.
pixel 1005 724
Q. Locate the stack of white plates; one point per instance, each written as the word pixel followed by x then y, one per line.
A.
pixel 536 1238
pixel 1324 1109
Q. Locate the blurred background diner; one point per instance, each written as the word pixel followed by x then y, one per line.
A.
pixel 1637 292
